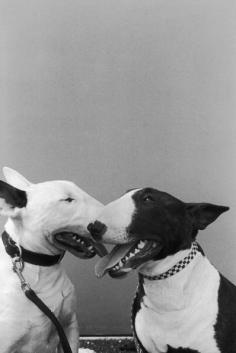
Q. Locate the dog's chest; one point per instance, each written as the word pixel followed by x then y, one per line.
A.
pixel 24 328
pixel 170 322
pixel 42 339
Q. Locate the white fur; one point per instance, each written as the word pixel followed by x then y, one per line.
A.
pixel 23 328
pixel 117 217
pixel 180 310
pixel 16 179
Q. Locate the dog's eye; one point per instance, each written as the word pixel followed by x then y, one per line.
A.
pixel 148 198
pixel 68 199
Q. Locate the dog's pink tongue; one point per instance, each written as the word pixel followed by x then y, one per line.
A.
pixel 110 260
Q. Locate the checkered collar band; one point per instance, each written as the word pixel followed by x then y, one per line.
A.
pixel 177 267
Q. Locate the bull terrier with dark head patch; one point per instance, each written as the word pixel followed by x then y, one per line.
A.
pixel 44 220
pixel 183 304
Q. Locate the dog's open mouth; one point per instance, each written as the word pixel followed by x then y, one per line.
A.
pixel 79 246
pixel 123 258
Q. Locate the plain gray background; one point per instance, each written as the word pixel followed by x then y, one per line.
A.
pixel 115 94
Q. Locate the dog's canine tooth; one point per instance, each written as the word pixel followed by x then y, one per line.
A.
pixel 141 244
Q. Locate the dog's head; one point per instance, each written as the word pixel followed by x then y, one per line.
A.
pixel 147 224
pixel 48 217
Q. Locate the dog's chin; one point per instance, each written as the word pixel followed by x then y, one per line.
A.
pixel 79 246
pixel 127 257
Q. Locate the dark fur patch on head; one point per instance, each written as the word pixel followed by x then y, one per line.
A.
pixel 172 223
pixel 163 218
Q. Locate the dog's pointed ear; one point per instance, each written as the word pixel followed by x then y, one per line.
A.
pixel 15 179
pixel 203 214
pixel 11 199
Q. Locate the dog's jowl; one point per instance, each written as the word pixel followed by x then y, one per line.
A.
pixel 43 221
pixel 183 303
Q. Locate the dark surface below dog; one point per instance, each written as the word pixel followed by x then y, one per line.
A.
pixel 108 345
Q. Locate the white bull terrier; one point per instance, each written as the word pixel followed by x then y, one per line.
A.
pixel 44 220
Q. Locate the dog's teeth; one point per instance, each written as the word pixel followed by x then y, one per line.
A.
pixel 120 263
pixel 90 247
pixel 136 251
pixel 154 245
pixel 141 244
pixel 74 237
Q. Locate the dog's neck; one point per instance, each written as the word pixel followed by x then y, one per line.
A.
pixel 173 293
pixel 30 241
pixel 155 268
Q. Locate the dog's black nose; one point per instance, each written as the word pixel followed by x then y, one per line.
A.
pixel 97 229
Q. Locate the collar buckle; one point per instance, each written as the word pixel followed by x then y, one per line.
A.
pixel 18 267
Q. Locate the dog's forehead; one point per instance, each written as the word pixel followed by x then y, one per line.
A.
pixel 56 189
pixel 157 195
pixel 137 193
pixel 129 193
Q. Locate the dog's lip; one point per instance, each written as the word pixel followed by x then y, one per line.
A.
pixel 78 245
pixel 125 257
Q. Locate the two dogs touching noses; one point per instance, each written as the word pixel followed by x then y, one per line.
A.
pixel 183 303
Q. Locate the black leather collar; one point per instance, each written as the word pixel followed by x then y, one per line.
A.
pixel 31 257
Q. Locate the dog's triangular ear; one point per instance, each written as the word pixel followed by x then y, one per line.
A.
pixel 203 214
pixel 11 199
pixel 15 179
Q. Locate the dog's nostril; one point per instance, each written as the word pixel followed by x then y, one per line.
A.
pixel 97 229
